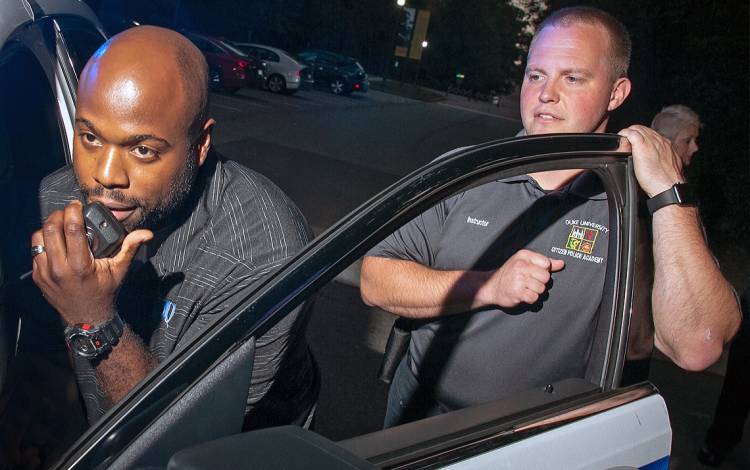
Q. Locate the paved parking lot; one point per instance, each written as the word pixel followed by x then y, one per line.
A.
pixel 691 398
pixel 330 153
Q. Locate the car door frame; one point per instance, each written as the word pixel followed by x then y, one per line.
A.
pixel 66 78
pixel 348 240
pixel 41 36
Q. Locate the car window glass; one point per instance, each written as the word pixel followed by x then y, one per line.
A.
pixel 213 48
pixel 233 49
pixel 307 56
pixel 539 344
pixel 204 45
pixel 250 51
pixel 81 39
pixel 199 43
pixel 270 56
pixel 325 58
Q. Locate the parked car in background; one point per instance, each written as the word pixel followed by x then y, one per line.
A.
pixel 283 74
pixel 340 74
pixel 228 67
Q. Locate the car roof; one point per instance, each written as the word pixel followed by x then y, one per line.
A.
pixel 324 51
pixel 202 36
pixel 318 51
pixel 221 42
pixel 16 13
pixel 199 35
pixel 287 56
pixel 270 48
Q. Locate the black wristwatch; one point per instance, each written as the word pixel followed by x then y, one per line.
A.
pixel 94 341
pixel 680 193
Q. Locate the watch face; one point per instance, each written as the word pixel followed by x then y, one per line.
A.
pixel 684 193
pixel 84 345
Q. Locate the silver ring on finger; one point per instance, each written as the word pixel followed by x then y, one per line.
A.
pixel 37 250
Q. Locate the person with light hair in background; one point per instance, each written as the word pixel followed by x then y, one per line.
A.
pixel 681 125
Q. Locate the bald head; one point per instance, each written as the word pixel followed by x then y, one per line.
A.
pixel 152 67
pixel 142 133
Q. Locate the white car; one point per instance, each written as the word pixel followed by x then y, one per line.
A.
pixel 283 73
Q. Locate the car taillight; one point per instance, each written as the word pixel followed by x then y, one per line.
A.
pixel 356 86
pixel 241 64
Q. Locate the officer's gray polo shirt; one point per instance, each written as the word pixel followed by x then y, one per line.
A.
pixel 480 356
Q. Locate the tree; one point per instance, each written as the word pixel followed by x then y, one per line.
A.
pixel 477 38
pixel 695 53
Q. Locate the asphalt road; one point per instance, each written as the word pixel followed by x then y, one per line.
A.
pixel 330 154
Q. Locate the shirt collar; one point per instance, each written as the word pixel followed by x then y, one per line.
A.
pixel 586 185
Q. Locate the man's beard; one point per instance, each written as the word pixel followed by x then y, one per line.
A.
pixel 153 216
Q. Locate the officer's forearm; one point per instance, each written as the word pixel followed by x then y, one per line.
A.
pixel 694 307
pixel 411 290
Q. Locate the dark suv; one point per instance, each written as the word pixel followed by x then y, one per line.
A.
pixel 340 74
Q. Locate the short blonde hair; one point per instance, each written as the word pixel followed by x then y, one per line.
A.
pixel 674 118
pixel 620 44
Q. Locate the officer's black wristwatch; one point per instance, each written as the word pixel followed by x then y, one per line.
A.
pixel 680 193
pixel 94 341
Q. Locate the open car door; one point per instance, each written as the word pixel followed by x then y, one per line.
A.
pixel 187 413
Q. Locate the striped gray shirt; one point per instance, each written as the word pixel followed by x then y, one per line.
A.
pixel 241 228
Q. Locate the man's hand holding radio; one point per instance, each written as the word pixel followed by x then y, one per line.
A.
pixel 81 288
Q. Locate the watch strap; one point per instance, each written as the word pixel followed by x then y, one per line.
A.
pixel 680 193
pixel 100 339
pixel 112 329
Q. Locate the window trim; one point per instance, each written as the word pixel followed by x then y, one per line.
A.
pixel 462 434
pixel 68 95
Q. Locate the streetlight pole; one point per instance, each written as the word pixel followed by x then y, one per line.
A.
pixel 392 56
pixel 419 63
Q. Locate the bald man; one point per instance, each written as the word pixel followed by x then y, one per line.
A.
pixel 201 231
